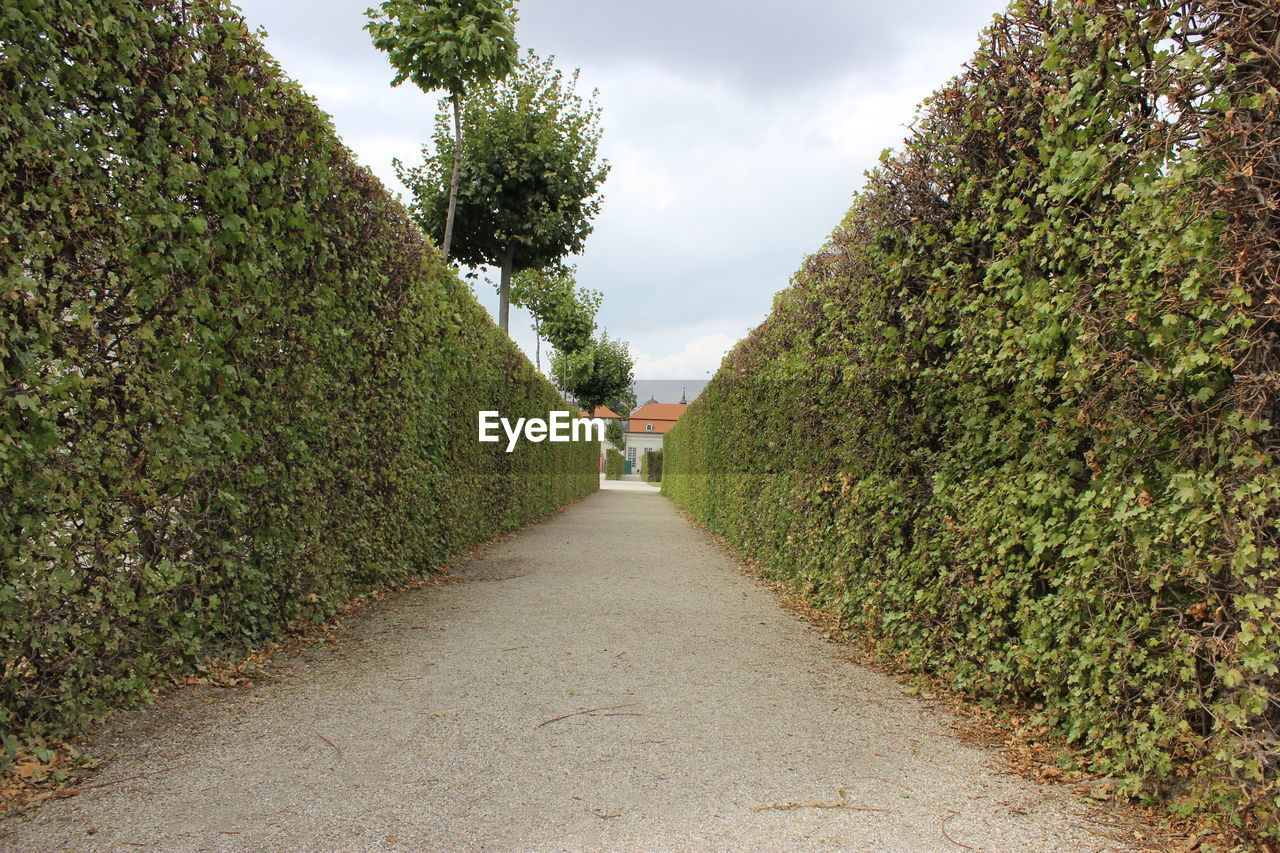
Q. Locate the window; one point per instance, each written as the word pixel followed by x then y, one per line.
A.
pixel 648 427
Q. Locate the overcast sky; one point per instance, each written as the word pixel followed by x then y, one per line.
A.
pixel 737 131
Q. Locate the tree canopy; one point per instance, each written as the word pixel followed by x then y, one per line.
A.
pixel 623 402
pixel 613 433
pixel 530 177
pixel 596 374
pixel 563 313
pixel 450 45
pixel 446 44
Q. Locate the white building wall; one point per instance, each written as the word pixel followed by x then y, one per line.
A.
pixel 638 443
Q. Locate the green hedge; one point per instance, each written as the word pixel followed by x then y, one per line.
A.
pixel 614 464
pixel 1018 418
pixel 239 386
pixel 653 466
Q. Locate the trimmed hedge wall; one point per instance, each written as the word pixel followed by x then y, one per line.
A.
pixel 653 466
pixel 239 385
pixel 614 464
pixel 1018 418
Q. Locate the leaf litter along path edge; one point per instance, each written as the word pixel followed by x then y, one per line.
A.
pixel 605 679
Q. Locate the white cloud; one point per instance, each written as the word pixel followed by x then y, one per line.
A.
pixel 331 93
pixel 699 359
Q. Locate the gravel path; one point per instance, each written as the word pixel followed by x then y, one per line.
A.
pixel 453 718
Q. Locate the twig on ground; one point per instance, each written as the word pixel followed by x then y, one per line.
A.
pixel 789 806
pixel 517 648
pixel 587 711
pixel 945 835
pixel 336 748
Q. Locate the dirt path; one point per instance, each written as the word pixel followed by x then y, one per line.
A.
pixel 451 719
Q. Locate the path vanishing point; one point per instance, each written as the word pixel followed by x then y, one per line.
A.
pixel 607 679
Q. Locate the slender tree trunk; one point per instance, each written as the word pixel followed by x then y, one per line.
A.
pixel 537 343
pixel 457 172
pixel 504 288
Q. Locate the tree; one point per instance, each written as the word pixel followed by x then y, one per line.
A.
pixel 530 175
pixel 614 435
pixel 600 371
pixel 624 402
pixel 563 313
pixel 450 45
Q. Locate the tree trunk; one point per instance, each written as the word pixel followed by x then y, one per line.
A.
pixel 537 343
pixel 457 172
pixel 504 287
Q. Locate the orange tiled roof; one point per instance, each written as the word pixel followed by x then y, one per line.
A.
pixel 663 416
pixel 603 412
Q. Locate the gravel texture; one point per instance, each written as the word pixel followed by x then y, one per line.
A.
pixel 440 722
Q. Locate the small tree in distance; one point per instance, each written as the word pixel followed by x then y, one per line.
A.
pixel 530 175
pixel 599 372
pixel 450 45
pixel 614 435
pixel 563 313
